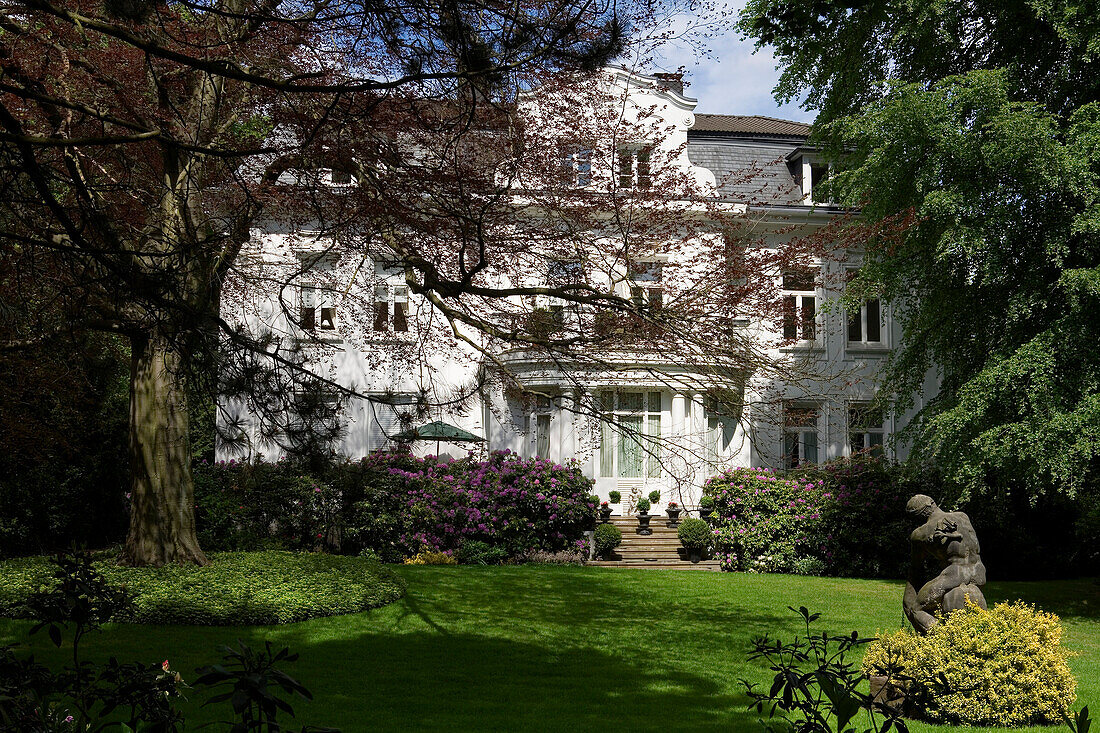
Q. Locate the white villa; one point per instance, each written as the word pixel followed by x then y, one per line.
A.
pixel 668 423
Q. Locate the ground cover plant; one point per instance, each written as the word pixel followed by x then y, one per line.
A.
pixel 235 589
pixel 558 648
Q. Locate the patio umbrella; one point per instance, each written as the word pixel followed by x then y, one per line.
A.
pixel 438 431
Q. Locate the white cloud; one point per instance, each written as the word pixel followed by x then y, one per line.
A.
pixel 733 80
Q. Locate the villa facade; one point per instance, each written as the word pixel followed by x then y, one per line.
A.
pixel 635 417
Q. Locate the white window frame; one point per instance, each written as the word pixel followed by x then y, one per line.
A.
pixel 634 167
pixel 646 284
pixel 721 428
pixel 866 435
pixel 801 434
pixel 613 433
pixel 577 164
pixel 395 299
pixel 796 300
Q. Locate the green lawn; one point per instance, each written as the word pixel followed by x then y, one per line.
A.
pixel 564 648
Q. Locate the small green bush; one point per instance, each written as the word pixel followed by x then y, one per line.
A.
pixel 430 557
pixel 706 505
pixel 1004 667
pixel 247 589
pixel 614 497
pixel 608 537
pixel 642 505
pixel 477 552
pixel 654 496
pixel 695 534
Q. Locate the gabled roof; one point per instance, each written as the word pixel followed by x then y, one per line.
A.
pixel 750 125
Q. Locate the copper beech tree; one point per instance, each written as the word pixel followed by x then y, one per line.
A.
pixel 143 144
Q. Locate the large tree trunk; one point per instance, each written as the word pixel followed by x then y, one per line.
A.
pixel 162 508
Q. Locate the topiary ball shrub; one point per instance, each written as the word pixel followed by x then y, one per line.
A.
pixel 237 588
pixel 695 534
pixel 608 537
pixel 654 496
pixel 642 506
pixel 614 497
pixel 1004 667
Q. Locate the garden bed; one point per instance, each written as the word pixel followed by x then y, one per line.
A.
pixel 237 588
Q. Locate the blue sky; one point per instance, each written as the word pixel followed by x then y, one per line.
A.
pixel 734 81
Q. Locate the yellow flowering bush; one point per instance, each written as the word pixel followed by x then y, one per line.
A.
pixel 427 557
pixel 1005 667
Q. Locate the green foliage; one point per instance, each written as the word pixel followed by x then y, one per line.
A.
pixel 63 458
pixel 608 537
pixel 970 141
pixel 654 496
pixel 706 505
pixel 614 497
pixel 695 534
pixel 816 687
pixel 1004 667
pixel 133 696
pixel 431 557
pixel 643 505
pixel 476 552
pixel 257 688
pixel 235 589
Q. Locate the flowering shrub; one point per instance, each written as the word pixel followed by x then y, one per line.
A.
pixel 844 518
pixel 396 505
pixel 765 522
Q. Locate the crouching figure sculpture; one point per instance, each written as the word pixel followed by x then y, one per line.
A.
pixel 945 567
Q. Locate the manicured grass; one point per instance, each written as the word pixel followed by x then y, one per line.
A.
pixel 566 648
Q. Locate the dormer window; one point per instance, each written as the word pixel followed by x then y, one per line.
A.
pixel 808 173
pixel 634 168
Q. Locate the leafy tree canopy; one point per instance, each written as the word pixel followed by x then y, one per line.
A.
pixel 969 136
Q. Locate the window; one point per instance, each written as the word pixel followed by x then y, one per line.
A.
pixel 630 433
pixel 721 422
pixel 391 308
pixel 577 165
pixel 646 290
pixel 565 272
pixel 800 423
pixel 315 309
pixel 866 431
pixel 799 306
pixel 634 168
pixel 865 326
pixel 340 177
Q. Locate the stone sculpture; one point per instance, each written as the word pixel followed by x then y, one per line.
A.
pixel 946 565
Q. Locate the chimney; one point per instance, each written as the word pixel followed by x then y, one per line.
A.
pixel 672 82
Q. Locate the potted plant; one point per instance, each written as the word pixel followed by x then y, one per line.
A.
pixel 605 512
pixel 643 516
pixel 695 535
pixel 706 507
pixel 673 511
pixel 607 538
pixel 614 497
pixel 654 497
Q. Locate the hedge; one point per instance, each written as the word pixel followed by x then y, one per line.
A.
pixel 248 588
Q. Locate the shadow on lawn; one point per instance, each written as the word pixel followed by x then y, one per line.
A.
pixel 469 682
